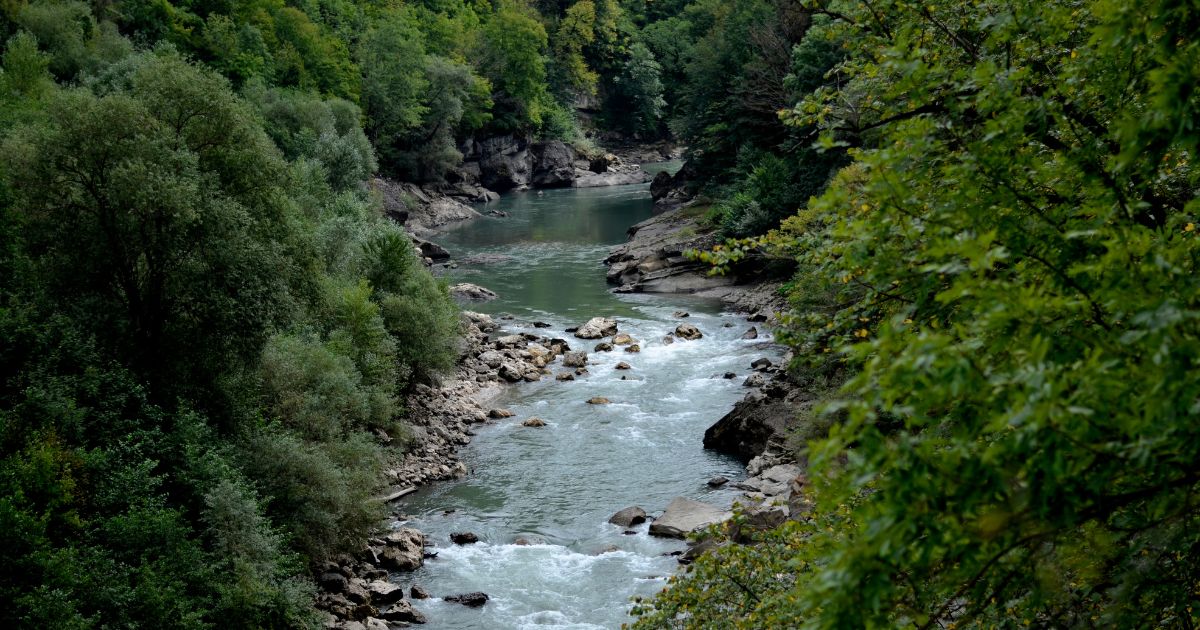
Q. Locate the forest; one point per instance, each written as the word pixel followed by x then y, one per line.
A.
pixel 986 213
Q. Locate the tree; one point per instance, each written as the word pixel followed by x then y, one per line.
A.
pixel 510 55
pixel 1010 274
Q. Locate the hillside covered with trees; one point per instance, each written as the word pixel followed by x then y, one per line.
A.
pixel 987 213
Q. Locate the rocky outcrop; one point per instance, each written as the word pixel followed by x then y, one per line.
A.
pixel 653 260
pixel 420 210
pixel 470 600
pixel 761 420
pixel 673 190
pixel 504 163
pixel 684 516
pixel 472 292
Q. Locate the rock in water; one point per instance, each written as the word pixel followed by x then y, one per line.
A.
pixel 717 482
pixel 496 414
pixel 463 538
pixel 682 314
pixel 628 517
pixel 598 400
pixel 470 600
pixel 751 334
pixel 688 331
pixel 597 328
pixel 418 592
pixel 534 423
pixel 474 292
pixel 622 339
pixel 603 347
pixel 575 359
pixel 634 349
pixel 761 364
pixel 684 516
pixel 622 366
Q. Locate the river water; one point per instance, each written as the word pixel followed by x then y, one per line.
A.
pixel 557 486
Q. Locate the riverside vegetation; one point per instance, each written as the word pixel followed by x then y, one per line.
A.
pixel 986 212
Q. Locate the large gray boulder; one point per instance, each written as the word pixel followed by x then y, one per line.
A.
pixel 472 292
pixel 628 517
pixel 553 164
pixel 684 516
pixel 504 163
pixel 597 328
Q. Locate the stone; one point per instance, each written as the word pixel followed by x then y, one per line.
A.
pixel 597 328
pixel 403 612
pixel 497 414
pixel 603 347
pixel 484 322
pixel 491 358
pixel 511 372
pixel 357 592
pixel 698 549
pixel 463 538
pixel 622 366
pixel 403 551
pixel 628 517
pixel 598 400
pixel 754 380
pixel 757 520
pixel 581 371
pixel 472 292
pixel 761 364
pixel 565 376
pixel 757 316
pixel 668 340
pixel 540 325
pixel 383 593
pixel 333 582
pixel 575 359
pixel 688 332
pixel 622 339
pixel 418 592
pixel 717 482
pixel 730 376
pixel 553 164
pixel 371 623
pixel 750 426
pixel 661 185
pixel 504 163
pixel 682 314
pixel 470 600
pixel 684 516
pixel 431 250
pixel 534 423
pixel 750 334
pixel 634 349
pixel 509 342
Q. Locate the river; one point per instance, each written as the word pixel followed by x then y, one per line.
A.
pixel 557 486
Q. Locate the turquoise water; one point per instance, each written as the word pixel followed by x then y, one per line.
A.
pixel 556 486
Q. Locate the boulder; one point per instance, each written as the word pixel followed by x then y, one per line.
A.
pixel 598 400
pixel 633 349
pixel 418 592
pixel 622 366
pixel 717 482
pixel 403 550
pixel 688 332
pixel 470 600
pixel 754 422
pixel 730 376
pixel 597 328
pixel 504 163
pixel 431 250
pixel 682 314
pixel 403 612
pixel 511 372
pixel 684 516
pixel 565 376
pixel 371 623
pixel 668 340
pixel 356 592
pixel 759 519
pixel 628 517
pixel 534 423
pixel 750 334
pixel 660 185
pixel 473 292
pixel 553 164
pixel 333 582
pixel 463 538
pixel 575 359
pixel 623 339
pixel 603 347
pixel 497 414
pixel 491 358
pixel 754 380
pixel 509 342
pixel 383 593
pixel 761 364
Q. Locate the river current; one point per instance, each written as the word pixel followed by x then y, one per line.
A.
pixel 556 486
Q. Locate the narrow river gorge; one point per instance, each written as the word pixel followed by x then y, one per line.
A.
pixel 556 486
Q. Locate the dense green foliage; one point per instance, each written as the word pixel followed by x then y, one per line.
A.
pixel 1007 275
pixel 207 323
